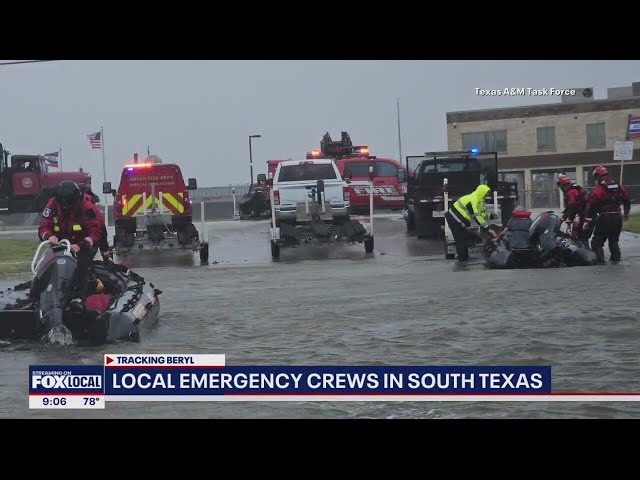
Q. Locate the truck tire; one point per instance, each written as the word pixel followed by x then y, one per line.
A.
pixel 368 245
pixel 425 226
pixel 275 250
pixel 204 253
pixel 411 222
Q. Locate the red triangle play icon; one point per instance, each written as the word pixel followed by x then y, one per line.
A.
pixel 109 360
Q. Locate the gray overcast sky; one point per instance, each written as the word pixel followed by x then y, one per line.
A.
pixel 199 114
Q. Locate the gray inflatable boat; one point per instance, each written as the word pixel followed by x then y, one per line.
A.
pixel 119 303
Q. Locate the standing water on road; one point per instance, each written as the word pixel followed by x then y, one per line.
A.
pixel 402 305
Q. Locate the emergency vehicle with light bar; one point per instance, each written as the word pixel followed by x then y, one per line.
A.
pixel 353 161
pixel 153 210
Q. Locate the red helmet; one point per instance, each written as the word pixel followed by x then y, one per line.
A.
pixel 600 171
pixel 563 180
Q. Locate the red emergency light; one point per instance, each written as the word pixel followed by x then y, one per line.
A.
pixel 138 165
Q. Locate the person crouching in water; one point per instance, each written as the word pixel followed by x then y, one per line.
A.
pixel 575 203
pixel 516 232
pixel 468 210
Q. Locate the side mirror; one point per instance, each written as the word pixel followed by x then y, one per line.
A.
pixel 106 187
pixel 193 185
pixel 348 174
pixel 261 178
pixel 402 176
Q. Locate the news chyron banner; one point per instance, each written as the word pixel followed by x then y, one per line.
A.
pixel 173 378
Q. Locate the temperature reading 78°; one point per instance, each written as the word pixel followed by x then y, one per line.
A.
pixel 67 402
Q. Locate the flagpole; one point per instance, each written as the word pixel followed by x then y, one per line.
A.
pixel 399 137
pixel 60 157
pixel 104 177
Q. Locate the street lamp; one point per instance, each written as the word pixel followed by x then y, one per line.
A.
pixel 250 157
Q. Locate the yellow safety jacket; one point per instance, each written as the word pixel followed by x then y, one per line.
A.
pixel 471 206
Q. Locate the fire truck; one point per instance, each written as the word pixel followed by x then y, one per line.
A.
pixel 354 162
pixel 153 210
pixel 26 184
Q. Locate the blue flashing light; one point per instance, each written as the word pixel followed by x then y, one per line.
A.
pixel 475 150
pixel 130 169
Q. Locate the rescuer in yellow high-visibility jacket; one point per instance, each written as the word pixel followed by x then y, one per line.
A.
pixel 467 211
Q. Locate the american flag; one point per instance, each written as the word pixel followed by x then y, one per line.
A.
pixel 52 159
pixel 95 139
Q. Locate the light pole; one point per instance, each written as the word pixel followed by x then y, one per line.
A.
pixel 250 157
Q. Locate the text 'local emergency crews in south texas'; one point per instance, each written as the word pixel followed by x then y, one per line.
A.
pixel 467 211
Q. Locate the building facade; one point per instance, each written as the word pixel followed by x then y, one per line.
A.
pixel 536 143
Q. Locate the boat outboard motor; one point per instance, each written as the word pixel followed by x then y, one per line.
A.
pixel 53 282
pixel 543 234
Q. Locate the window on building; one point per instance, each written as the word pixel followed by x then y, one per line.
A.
pixel 546 139
pixel 596 137
pixel 495 141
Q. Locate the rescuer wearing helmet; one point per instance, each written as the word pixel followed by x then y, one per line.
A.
pixel 575 203
pixel 104 242
pixel 516 232
pixel 468 210
pixel 603 209
pixel 71 215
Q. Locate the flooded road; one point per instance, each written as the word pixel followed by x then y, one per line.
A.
pixel 402 305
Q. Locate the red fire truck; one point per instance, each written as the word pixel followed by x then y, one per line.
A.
pixel 152 208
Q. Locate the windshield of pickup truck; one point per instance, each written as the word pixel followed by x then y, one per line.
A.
pixel 307 171
pixel 445 167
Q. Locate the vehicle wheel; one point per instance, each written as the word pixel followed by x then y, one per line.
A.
pixel 204 253
pixel 275 250
pixel 447 255
pixel 368 244
pixel 411 222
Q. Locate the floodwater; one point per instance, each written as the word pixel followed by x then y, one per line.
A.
pixel 403 305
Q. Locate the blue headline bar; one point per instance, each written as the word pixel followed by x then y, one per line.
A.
pixel 328 380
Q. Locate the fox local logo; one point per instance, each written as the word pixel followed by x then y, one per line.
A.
pixel 64 380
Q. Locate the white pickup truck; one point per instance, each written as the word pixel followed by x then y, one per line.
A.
pixel 310 205
pixel 296 195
